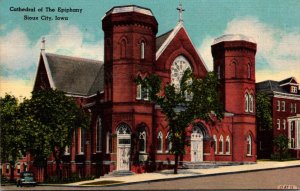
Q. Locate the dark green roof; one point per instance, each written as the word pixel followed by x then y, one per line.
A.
pixel 77 76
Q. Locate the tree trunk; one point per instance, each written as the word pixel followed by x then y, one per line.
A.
pixel 176 164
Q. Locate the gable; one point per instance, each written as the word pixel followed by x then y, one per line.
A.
pixel 74 76
pixel 41 80
pixel 179 43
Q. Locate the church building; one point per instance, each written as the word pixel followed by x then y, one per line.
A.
pixel 128 133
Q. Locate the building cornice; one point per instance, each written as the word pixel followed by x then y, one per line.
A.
pixel 286 95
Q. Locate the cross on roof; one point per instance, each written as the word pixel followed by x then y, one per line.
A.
pixel 180 10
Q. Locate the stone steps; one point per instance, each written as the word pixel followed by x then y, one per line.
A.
pixel 199 165
pixel 118 173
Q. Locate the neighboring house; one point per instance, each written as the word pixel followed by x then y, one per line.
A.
pixel 285 100
pixel 128 132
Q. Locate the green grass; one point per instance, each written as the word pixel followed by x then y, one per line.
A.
pixel 273 160
pixel 102 183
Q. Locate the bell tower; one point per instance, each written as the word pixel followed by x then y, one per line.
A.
pixel 234 64
pixel 129 48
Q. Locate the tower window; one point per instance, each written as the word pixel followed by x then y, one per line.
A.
pixel 249 145
pixel 246 102
pixel 251 103
pixel 142 93
pixel 142 50
pixel 123 48
pixel 249 71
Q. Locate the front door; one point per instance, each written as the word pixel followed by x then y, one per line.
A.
pixel 196 147
pixel 123 147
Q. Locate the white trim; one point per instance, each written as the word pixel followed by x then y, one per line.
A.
pixel 49 74
pixel 286 95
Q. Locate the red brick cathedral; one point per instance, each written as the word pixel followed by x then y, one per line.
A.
pixel 128 132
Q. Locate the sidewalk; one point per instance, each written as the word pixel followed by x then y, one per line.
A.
pixel 186 173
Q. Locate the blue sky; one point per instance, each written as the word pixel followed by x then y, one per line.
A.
pixel 274 25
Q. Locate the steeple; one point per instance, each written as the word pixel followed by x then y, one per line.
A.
pixel 43 44
pixel 180 10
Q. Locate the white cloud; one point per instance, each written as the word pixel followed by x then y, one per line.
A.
pixel 17 52
pixel 279 49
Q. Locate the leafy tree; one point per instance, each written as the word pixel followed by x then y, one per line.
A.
pixel 281 143
pixel 263 112
pixel 195 99
pixel 11 138
pixel 49 120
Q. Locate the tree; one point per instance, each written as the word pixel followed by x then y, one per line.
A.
pixel 49 120
pixel 281 143
pixel 263 112
pixel 11 138
pixel 195 99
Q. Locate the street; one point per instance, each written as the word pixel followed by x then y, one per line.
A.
pixel 268 179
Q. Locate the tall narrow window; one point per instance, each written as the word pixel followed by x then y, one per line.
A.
pixel 168 143
pixel 249 145
pixel 249 71
pixel 219 72
pixel 227 145
pixel 142 50
pixel 7 168
pixel 221 144
pixel 278 124
pixel 246 102
pixel 159 142
pixel 278 105
pixel 282 105
pixel 123 48
pixel 142 141
pixel 215 144
pixel 139 91
pixel 292 143
pixel 108 143
pixel 18 168
pixel 251 103
pixel 98 134
pixel 82 140
pixel 284 124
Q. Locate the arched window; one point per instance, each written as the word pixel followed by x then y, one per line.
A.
pixel 248 71
pixel 123 48
pixel 249 145
pixel 221 144
pixel 215 144
pixel 227 145
pixel 168 143
pixel 159 142
pixel 142 141
pixel 246 102
pixel 98 134
pixel 251 103
pixel 142 50
pixel 108 143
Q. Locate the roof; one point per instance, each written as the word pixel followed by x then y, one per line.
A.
pixel 269 86
pixel 77 76
pixel 233 37
pixel 288 81
pixel 161 39
pixel 129 8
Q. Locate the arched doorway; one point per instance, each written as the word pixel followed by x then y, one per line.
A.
pixel 197 145
pixel 123 147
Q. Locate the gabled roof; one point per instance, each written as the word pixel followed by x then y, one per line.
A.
pixel 162 38
pixel 165 39
pixel 75 76
pixel 269 86
pixel 290 80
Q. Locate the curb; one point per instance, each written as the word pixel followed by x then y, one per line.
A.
pixel 175 178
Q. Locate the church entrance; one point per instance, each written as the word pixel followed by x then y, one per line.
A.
pixel 196 145
pixel 123 147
